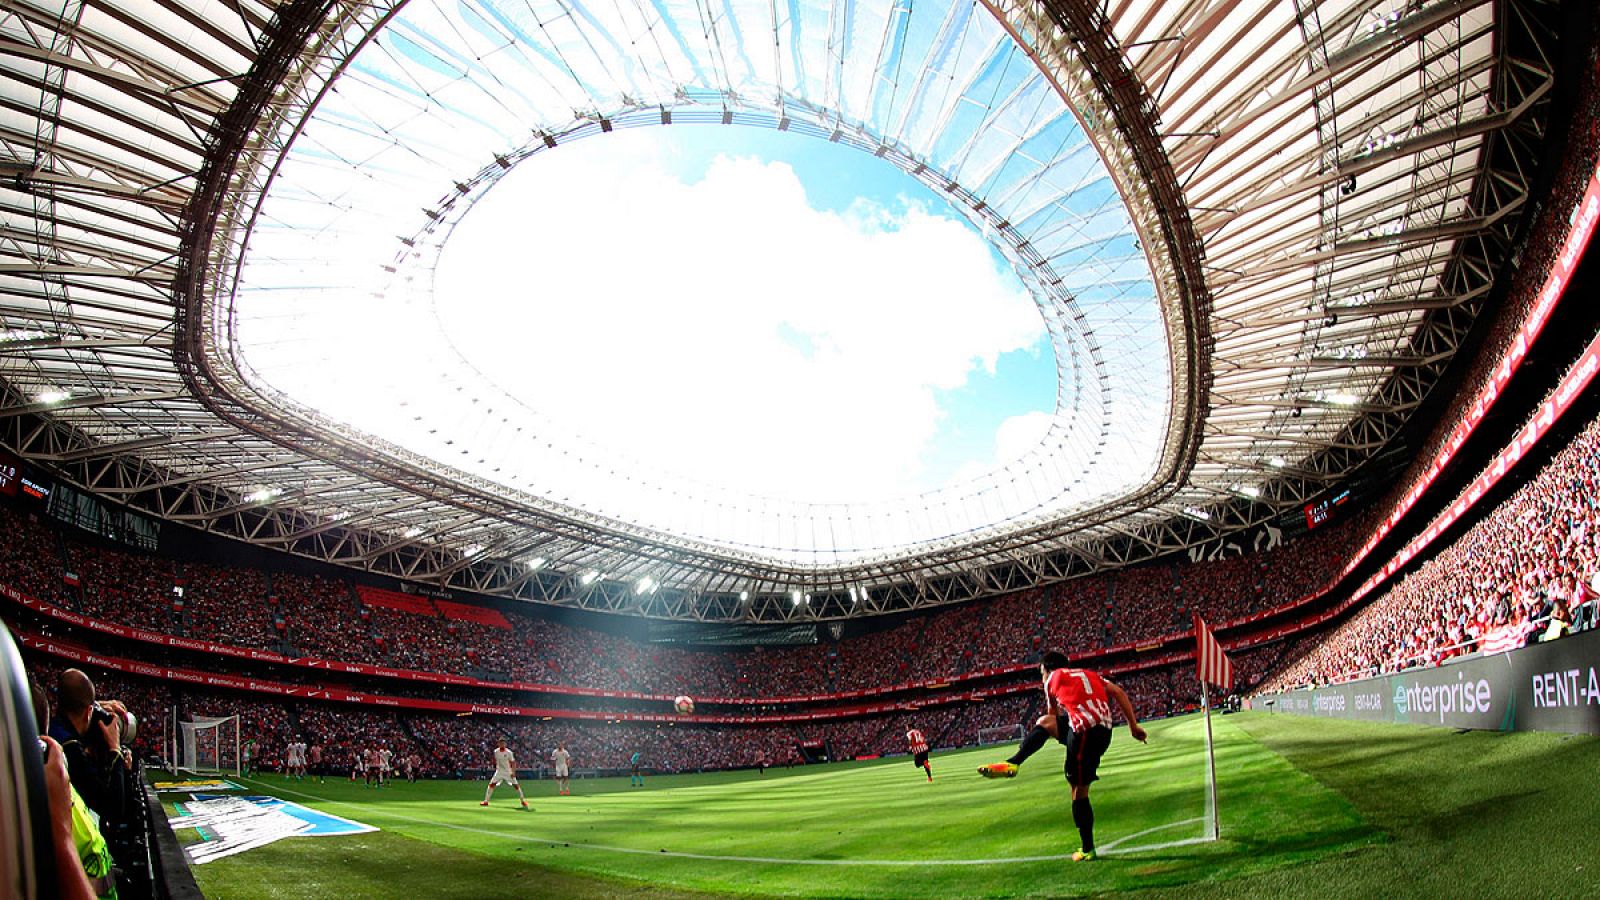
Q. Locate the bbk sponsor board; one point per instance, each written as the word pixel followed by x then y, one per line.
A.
pixel 1553 686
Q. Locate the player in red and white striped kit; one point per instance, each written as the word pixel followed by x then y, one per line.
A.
pixel 919 751
pixel 1083 699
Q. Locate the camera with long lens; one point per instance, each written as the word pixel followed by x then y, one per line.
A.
pixel 128 721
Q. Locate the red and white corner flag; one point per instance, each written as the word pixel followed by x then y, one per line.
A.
pixel 1215 668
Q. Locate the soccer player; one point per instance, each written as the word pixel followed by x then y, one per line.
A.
pixel 1084 699
pixel 249 753
pixel 761 762
pixel 562 760
pixel 636 773
pixel 505 772
pixel 385 761
pixel 314 756
pixel 919 751
pixel 370 764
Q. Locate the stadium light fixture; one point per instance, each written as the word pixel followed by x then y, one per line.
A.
pixel 1195 512
pixel 1276 462
pixel 1248 490
pixel 744 596
pixel 18 335
pixel 589 577
pixel 536 563
pixel 644 585
pixel 795 595
pixel 52 397
pixel 472 549
pixel 413 531
pixel 262 495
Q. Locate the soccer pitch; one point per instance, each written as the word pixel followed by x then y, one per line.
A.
pixel 1307 807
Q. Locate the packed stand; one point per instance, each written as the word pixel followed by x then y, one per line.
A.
pixel 225 605
pixel 1525 572
pixel 1075 614
pixel 318 615
pixel 123 587
pixel 30 557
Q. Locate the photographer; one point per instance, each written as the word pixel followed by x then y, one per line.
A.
pixel 90 735
pixel 83 861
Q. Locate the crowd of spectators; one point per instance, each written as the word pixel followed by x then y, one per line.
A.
pixel 30 556
pixel 1074 615
pixel 305 604
pixel 321 617
pixel 1526 571
pixel 224 604
pixel 122 587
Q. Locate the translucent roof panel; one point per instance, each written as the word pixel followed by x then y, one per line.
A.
pixel 351 303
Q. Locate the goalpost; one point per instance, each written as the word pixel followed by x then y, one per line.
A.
pixel 1001 734
pixel 209 745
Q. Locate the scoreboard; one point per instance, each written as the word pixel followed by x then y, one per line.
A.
pixel 1320 511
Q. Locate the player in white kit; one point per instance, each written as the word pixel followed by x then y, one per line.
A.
pixel 295 762
pixel 562 760
pixel 504 773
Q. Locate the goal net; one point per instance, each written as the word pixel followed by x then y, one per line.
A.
pixel 1000 734
pixel 209 745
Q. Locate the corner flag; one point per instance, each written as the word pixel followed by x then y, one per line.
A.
pixel 1215 668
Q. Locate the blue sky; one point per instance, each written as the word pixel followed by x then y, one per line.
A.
pixel 835 179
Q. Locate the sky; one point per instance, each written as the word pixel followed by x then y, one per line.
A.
pixel 759 310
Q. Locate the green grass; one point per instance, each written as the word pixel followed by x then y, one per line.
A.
pixel 1334 809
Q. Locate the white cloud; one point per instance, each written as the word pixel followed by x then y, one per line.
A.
pixel 1012 440
pixel 650 316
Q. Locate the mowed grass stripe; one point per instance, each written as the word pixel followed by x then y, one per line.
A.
pixel 832 819
pixel 1457 814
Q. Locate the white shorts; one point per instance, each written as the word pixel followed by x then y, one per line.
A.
pixel 561 771
pixel 500 779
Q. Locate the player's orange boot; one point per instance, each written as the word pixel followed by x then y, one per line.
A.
pixel 525 805
pixel 998 770
pixel 483 803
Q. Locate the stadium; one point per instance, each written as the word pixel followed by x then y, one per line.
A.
pixel 509 448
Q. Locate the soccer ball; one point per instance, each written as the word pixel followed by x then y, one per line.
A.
pixel 684 705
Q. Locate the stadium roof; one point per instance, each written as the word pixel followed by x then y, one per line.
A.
pixel 1314 200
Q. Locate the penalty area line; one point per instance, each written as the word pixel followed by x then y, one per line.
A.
pixel 773 860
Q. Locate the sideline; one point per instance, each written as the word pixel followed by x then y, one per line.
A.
pixel 368 812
